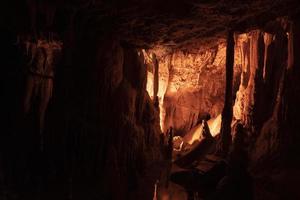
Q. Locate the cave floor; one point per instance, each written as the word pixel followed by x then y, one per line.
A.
pixel 275 184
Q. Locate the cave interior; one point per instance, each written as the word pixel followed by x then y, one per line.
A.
pixel 150 100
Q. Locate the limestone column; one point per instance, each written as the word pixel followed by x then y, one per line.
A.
pixel 225 140
pixel 155 80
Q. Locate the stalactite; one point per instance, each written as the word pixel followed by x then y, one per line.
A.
pixel 250 94
pixel 239 106
pixel 269 98
pixel 155 75
pixel 225 140
pixel 268 38
pixel 167 123
pixel 155 81
pixel 258 89
pixel 253 58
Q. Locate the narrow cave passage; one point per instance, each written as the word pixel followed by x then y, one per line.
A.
pixel 150 100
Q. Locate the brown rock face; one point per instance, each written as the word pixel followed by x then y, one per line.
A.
pixel 109 114
pixel 147 23
pixel 190 85
pixel 190 90
pixel 102 128
pixel 266 57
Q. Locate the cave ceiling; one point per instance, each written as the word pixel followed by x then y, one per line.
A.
pixel 177 24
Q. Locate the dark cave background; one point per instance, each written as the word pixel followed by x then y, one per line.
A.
pixel 102 138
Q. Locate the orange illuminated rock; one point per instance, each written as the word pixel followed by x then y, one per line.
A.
pixel 190 84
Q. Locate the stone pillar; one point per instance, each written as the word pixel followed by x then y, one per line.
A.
pixel 225 140
pixel 155 75
pixel 155 81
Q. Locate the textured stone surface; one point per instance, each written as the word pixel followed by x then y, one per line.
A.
pixel 148 23
pixel 259 101
pixel 191 85
pixel 102 126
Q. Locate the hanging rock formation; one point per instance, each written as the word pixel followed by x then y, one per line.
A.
pixel 266 58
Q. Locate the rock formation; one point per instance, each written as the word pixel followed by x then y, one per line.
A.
pixel 129 71
pixel 125 132
pixel 187 90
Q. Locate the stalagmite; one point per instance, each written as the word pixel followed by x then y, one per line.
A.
pixel 225 141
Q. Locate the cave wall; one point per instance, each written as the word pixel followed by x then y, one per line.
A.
pixel 191 84
pixel 267 65
pixel 110 125
pixel 101 128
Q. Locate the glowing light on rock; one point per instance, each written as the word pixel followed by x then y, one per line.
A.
pixel 190 84
pixel 163 83
pixel 149 86
pixel 214 125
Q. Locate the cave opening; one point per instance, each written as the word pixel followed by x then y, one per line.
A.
pixel 154 100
